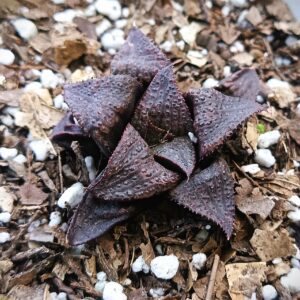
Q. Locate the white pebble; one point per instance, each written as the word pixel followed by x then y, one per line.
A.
pixel 199 260
pixel 71 196
pixel 269 292
pixel 226 71
pixel 113 291
pixel 20 159
pixel 40 148
pixel 291 280
pixel 192 137
pixel 297 256
pixel 157 292
pixel 58 1
pixel 277 261
pixel 291 40
pixel 209 4
pixel 110 8
pixel 121 23
pixel 264 157
pixel 25 28
pixel 7 120
pixel 90 165
pixel 140 265
pixel 295 262
pixel 62 296
pixel 4 237
pixel 6 57
pixel 251 169
pixel 239 3
pixel 260 99
pixel 101 276
pixel 226 10
pixel 67 15
pixel 55 219
pixel 49 79
pixel 295 200
pixel 165 267
pixel 102 27
pixel 100 285
pixel 58 101
pixel 298 109
pixel 5 217
pixel 8 153
pixel 90 11
pixel 276 83
pixel 167 46
pixel 180 44
pixel 159 249
pixel 113 39
pixel 33 86
pixel 294 216
pixel 125 12
pixel 210 83
pixel 268 139
pixel 238 47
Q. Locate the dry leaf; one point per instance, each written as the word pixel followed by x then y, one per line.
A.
pixel 31 195
pixel 189 32
pixel 271 244
pixel 71 44
pixel 243 59
pixel 11 97
pixel 294 130
pixel 244 278
pixel 228 33
pixel 37 115
pixel 258 205
pixel 6 199
pixel 198 62
pixel 254 16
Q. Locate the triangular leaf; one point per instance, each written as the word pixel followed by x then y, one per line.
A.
pixel 216 116
pixel 163 107
pixel 93 218
pixel 103 106
pixel 244 83
pixel 209 193
pixel 131 172
pixel 178 154
pixel 67 131
pixel 139 57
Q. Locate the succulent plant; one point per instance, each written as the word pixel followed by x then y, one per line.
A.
pixel 140 123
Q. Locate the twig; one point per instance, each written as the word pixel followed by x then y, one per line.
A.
pixel 211 284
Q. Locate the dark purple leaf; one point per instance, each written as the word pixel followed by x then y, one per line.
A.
pixel 216 116
pixel 67 131
pixel 139 57
pixel 131 172
pixel 162 108
pixel 209 193
pixel 179 154
pixel 93 218
pixel 244 83
pixel 103 106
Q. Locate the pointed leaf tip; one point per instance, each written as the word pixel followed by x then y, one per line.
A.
pixel 93 218
pixel 178 154
pixel 139 57
pixel 103 106
pixel 162 111
pixel 131 172
pixel 244 83
pixel 209 193
pixel 216 116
